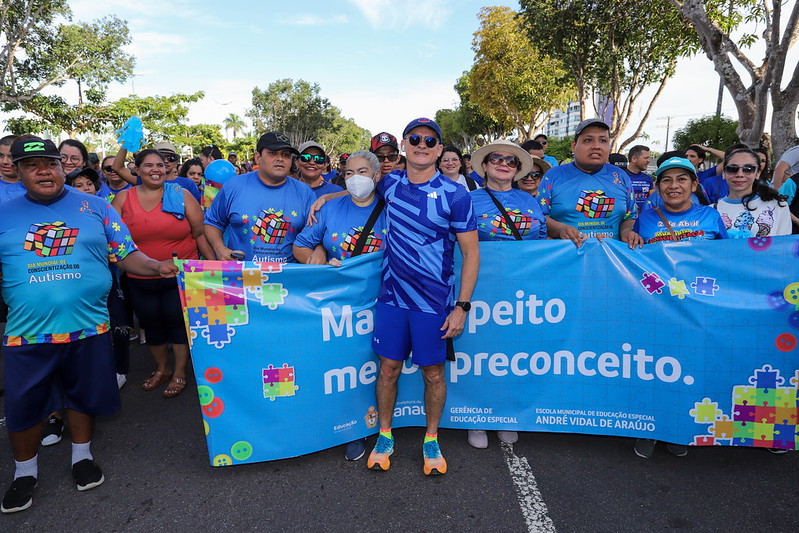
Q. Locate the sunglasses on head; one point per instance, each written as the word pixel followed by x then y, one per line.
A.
pixel 389 157
pixel 318 159
pixel 746 169
pixel 108 169
pixel 510 160
pixel 430 142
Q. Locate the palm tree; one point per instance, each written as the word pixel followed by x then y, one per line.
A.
pixel 235 123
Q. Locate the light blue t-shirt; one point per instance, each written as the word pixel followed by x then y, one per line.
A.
pixel 595 204
pixel 338 227
pixel 699 222
pixel 643 185
pixel 551 160
pixel 11 190
pixel 523 209
pixel 326 188
pixel 264 220
pixel 55 259
pixel 423 222
pixel 108 194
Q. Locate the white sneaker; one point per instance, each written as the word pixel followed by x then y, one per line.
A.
pixel 121 380
pixel 508 437
pixel 478 438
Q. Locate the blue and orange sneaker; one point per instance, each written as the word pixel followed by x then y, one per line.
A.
pixel 378 459
pixel 434 462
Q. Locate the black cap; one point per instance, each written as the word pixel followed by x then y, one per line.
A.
pixel 89 172
pixel 34 147
pixel 274 141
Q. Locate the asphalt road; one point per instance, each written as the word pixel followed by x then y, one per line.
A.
pixel 158 478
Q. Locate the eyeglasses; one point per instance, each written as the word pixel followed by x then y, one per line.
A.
pixel 108 169
pixel 746 169
pixel 450 160
pixel 534 175
pixel 390 157
pixel 72 159
pixel 510 160
pixel 170 158
pixel 430 142
pixel 318 159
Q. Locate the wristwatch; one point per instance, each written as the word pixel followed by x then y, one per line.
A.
pixel 464 305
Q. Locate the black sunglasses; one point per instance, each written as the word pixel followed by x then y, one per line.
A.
pixel 746 169
pixel 170 158
pixel 534 175
pixel 430 142
pixel 390 157
pixel 108 169
pixel 318 159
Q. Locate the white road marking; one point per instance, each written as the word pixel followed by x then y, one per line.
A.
pixel 532 504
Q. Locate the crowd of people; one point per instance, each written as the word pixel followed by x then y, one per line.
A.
pixel 110 230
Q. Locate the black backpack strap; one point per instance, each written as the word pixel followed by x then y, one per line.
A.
pixel 506 216
pixel 367 228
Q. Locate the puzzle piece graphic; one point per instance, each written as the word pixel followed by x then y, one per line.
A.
pixel 253 278
pixel 765 415
pixel 677 288
pixel 273 295
pixel 722 429
pixel 795 380
pixel 197 316
pixel 743 395
pixel 216 315
pixel 237 314
pixel 703 440
pixel 652 283
pixel 787 415
pixel 705 286
pixel 766 378
pixel 744 413
pixel 278 381
pixel 705 412
pixel 743 430
pixel 217 334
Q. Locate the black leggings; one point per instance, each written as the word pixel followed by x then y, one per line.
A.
pixel 157 304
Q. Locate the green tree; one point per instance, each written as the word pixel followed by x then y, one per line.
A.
pixel 38 52
pixel 714 22
pixel 293 108
pixel 243 146
pixel 715 131
pixel 235 123
pixel 615 49
pixel 344 135
pixel 512 80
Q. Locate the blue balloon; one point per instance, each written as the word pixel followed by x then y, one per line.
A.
pixel 220 171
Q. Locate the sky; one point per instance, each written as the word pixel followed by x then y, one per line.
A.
pixel 381 62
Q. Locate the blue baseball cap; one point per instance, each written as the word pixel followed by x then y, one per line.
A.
pixel 422 121
pixel 676 162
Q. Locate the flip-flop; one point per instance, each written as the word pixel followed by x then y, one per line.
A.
pixel 155 380
pixel 175 387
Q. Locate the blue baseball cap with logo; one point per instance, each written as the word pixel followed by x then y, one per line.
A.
pixel 676 162
pixel 33 147
pixel 422 121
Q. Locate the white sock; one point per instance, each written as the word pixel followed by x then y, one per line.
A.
pixel 81 452
pixel 27 468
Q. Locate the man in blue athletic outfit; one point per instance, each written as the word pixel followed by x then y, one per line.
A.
pixel 264 210
pixel 55 245
pixel 426 214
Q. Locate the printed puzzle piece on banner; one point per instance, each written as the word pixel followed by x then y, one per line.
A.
pixel 766 378
pixel 795 379
pixel 722 429
pixel 273 295
pixel 744 413
pixel 237 314
pixel 652 283
pixel 218 334
pixel 197 316
pixel 766 397
pixel 677 288
pixel 765 414
pixel 786 415
pixel 743 429
pixel 743 395
pixel 705 412
pixel 703 440
pixel 271 375
pixel 705 286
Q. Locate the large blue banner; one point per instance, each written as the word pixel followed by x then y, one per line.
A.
pixel 691 343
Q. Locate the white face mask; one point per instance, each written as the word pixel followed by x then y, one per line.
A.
pixel 360 186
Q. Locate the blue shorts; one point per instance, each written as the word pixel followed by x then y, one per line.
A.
pixel 40 378
pixel 398 331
